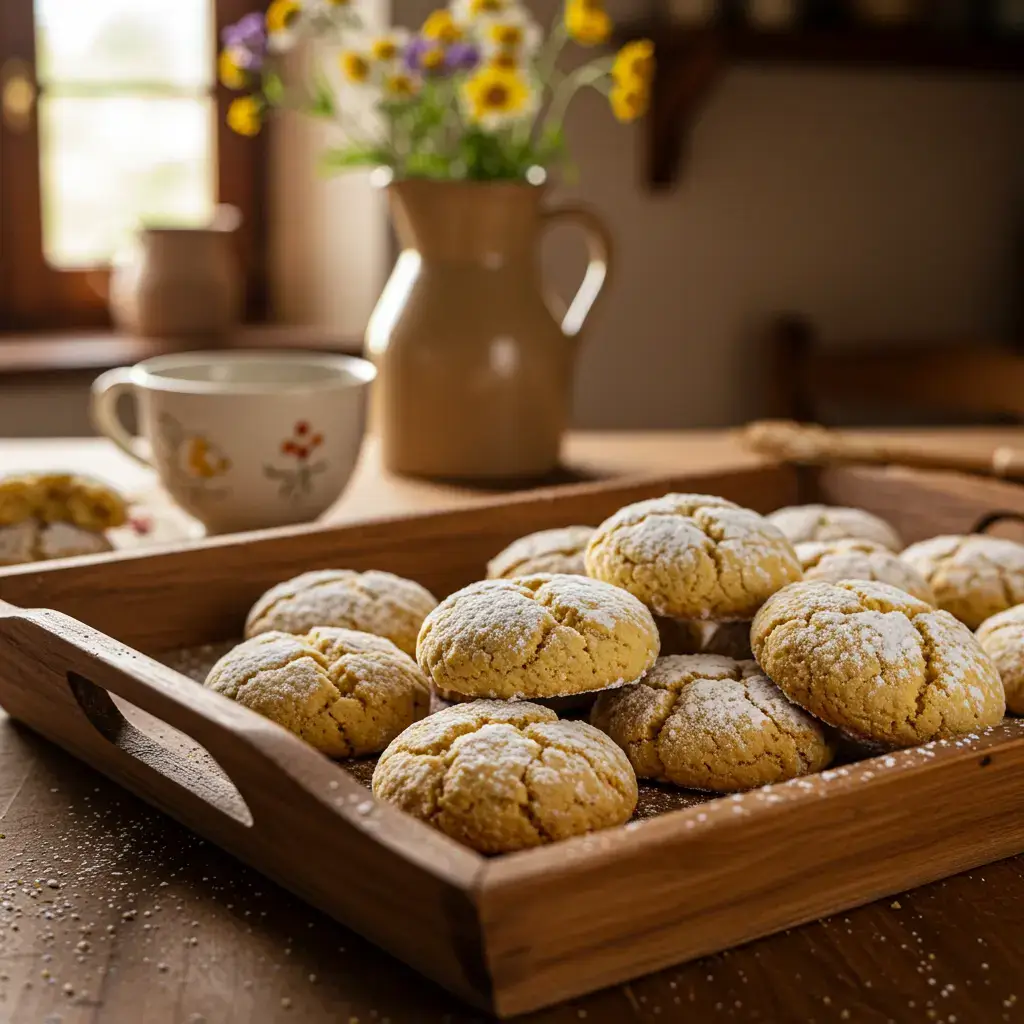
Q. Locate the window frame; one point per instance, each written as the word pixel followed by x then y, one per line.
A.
pixel 36 296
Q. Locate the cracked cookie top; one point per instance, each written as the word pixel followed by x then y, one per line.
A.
pixel 502 776
pixel 852 559
pixel 802 523
pixel 560 550
pixel 705 721
pixel 344 692
pixel 974 576
pixel 872 660
pixel 372 602
pixel 693 556
pixel 1002 639
pixel 548 635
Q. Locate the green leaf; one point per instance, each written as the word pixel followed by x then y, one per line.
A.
pixel 273 88
pixel 321 99
pixel 345 158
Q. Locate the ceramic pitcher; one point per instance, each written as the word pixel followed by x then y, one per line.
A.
pixel 184 282
pixel 474 366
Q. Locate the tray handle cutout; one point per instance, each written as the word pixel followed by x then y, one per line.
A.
pixel 182 760
pixel 986 522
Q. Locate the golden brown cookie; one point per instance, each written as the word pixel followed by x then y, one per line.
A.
pixel 835 560
pixel 61 498
pixel 501 776
pixel 693 556
pixel 548 635
pixel 344 692
pixel 1002 639
pixel 373 602
pixel 803 523
pixel 973 576
pixel 704 721
pixel 560 550
pixel 872 660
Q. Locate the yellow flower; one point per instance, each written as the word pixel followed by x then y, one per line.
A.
pixel 587 22
pixel 506 35
pixel 354 66
pixel 478 7
pixel 399 86
pixel 338 3
pixel 383 49
pixel 432 59
pixel 440 26
pixel 628 102
pixel 245 115
pixel 281 15
pixel 634 64
pixel 229 71
pixel 506 60
pixel 493 96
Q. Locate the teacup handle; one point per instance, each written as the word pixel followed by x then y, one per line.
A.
pixel 107 388
pixel 599 252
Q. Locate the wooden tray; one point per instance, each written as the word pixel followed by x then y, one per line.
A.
pixel 517 932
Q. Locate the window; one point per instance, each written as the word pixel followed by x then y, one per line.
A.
pixel 112 117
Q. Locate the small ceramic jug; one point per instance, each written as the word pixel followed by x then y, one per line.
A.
pixel 474 369
pixel 183 283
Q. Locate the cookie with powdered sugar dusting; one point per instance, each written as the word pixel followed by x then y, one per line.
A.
pixel 560 550
pixel 874 661
pixel 372 602
pixel 501 776
pixel 548 635
pixel 974 576
pixel 851 559
pixel 705 721
pixel 803 523
pixel 693 556
pixel 344 692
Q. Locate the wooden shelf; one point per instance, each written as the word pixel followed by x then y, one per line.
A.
pixel 689 62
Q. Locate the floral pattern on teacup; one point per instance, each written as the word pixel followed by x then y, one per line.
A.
pixel 295 481
pixel 194 462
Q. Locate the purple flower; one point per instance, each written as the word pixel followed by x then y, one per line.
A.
pixel 247 41
pixel 462 57
pixel 430 57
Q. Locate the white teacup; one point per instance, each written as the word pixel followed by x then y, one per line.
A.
pixel 243 440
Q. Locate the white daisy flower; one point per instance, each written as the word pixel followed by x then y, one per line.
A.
pixel 511 32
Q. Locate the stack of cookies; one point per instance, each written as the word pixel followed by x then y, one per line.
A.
pixel 795 628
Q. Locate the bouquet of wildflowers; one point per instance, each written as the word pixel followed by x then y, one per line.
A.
pixel 477 93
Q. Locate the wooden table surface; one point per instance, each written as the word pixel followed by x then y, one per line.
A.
pixel 112 914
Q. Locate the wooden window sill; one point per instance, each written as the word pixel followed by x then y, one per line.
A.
pixel 49 354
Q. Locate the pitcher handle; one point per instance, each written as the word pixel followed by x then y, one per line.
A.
pixel 599 251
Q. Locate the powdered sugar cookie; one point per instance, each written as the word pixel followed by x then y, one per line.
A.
pixel 849 559
pixel 560 550
pixel 344 692
pixel 501 776
pixel 373 602
pixel 973 576
pixel 1002 638
pixel 802 523
pixel 547 635
pixel 871 659
pixel 693 556
pixel 704 721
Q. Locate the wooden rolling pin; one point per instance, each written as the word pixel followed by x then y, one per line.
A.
pixel 809 443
